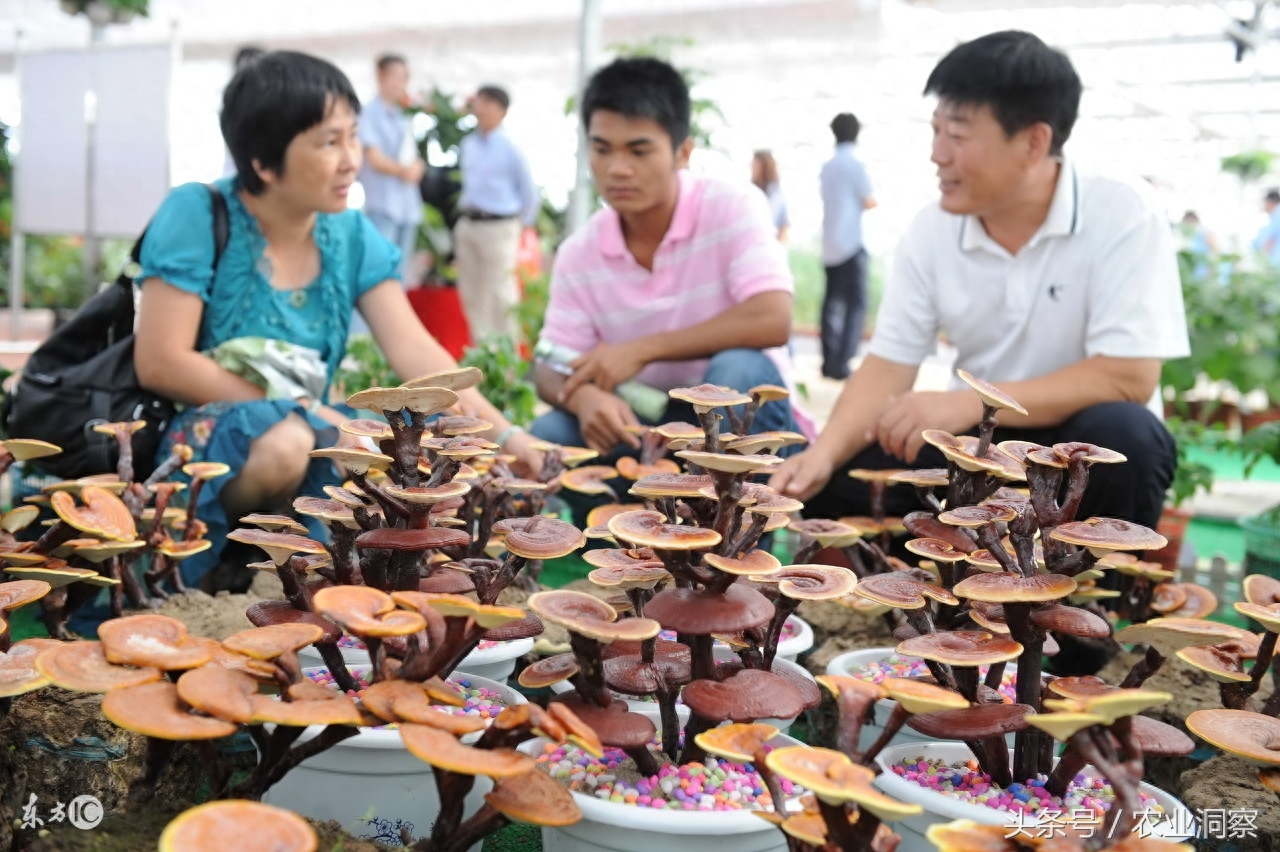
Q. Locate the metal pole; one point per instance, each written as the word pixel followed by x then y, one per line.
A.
pixel 589 32
pixel 17 240
pixel 92 245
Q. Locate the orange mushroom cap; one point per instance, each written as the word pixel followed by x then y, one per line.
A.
pixel 154 710
pixel 239 825
pixel 267 643
pixel 365 611
pixel 443 751
pixel 103 515
pixel 151 640
pixel 83 667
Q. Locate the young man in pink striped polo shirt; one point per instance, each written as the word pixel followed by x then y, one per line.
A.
pixel 679 281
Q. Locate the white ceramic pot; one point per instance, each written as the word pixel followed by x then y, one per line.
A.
pixel 871 731
pixel 611 827
pixel 496 663
pixel 372 785
pixel 791 648
pixel 940 808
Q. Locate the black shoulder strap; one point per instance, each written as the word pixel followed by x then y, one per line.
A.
pixel 221 231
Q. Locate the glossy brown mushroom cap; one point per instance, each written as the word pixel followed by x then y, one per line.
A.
pixel 745 696
pixel 972 723
pixel 896 590
pixel 650 529
pixel 1252 737
pixel 706 397
pixel 698 611
pixel 1102 535
pixel 1006 588
pixel 962 648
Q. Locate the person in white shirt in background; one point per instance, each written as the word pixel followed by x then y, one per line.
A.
pixel 1059 287
pixel 846 194
pixel 764 174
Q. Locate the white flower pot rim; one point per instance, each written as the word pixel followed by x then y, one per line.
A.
pixel 841 665
pixel 668 821
pixel 508 650
pixel 950 807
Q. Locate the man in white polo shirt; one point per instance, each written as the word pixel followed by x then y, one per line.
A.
pixel 1059 287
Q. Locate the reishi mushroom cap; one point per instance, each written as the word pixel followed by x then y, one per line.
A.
pixel 1268 616
pixel 826 532
pixel 424 400
pixel 279 546
pixel 729 462
pixel 534 798
pixel 744 696
pixel 739 741
pixel 936 549
pixel 544 538
pixel 753 563
pixel 444 751
pixel 206 470
pixel 812 582
pixel 400 701
pixel 218 691
pixel 977 516
pixel 1168 635
pixel 267 643
pixel 1102 535
pixel 459 378
pixel 686 485
pixel 102 515
pixel 991 395
pixel 589 479
pixel 836 779
pixel 16 593
pixel 1219 665
pixel 151 639
pixel 1011 588
pixel 650 529
pixel 353 459
pixel 25 449
pixel 1071 620
pixel 896 590
pixel 699 611
pixel 154 710
pixel 18 672
pixel 977 722
pixel 1261 589
pixel 424 538
pixel 83 667
pixel 241 825
pixel 706 397
pixel 962 648
pixel 1252 737
pixel 548 670
pixel 274 523
pixel 919 697
pixel 366 611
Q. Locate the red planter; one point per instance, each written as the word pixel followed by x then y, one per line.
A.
pixel 1173 526
pixel 440 311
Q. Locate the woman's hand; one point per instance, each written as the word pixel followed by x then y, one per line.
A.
pixel 528 461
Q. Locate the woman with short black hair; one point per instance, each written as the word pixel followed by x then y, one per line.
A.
pixel 295 266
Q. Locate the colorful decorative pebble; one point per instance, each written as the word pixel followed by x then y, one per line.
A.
pixel 713 785
pixel 968 783
pixel 358 644
pixel 480 700
pixel 895 666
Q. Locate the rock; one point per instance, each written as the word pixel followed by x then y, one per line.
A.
pixel 1228 783
pixel 837 629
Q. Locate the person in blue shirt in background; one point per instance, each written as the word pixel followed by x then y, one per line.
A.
pixel 392 171
pixel 498 200
pixel 1267 243
pixel 846 193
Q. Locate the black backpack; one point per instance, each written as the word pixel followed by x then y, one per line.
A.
pixel 83 375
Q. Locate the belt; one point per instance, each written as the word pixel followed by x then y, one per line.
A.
pixel 481 216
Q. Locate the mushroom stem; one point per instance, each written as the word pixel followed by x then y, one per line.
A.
pixel 852 707
pixel 990 539
pixel 124 461
pixel 340 551
pixel 967 682
pixel 53 613
pixel 692 751
pixel 730 493
pixel 1027 743
pixel 768 778
pixel 807 550
pixel 782 610
pixel 473 829
pixel 1077 481
pixel 377 657
pixel 1069 765
pixel 840 833
pixel 219 770
pixel 995 674
pixel 646 763
pixel 293 757
pixel 863 832
pixel 711 430
pixel 159 752
pixel 986 430
pixel 750 537
pixel 6 460
pixel 337 666
pixel 993 758
pixel 1261 662
pixel 192 530
pixel 590 669
pixel 166 468
pixel 56 536
pixel 1272 707
pixel 452 788
pixel 670 720
pixel 391 507
pixel 443 471
pixel 1143 669
pixel 703 659
pixel 897 719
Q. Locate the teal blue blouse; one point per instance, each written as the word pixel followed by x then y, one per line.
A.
pixel 239 299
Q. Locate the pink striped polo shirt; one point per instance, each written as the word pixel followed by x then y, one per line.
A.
pixel 720 250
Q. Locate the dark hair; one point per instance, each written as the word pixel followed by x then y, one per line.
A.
pixel 846 126
pixel 641 87
pixel 247 54
pixel 497 94
pixel 1021 78
pixel 386 60
pixel 1273 195
pixel 272 100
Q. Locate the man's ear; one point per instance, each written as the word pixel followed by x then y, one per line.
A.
pixel 683 150
pixel 1039 140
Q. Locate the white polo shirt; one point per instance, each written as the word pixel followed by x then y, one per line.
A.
pixel 1100 277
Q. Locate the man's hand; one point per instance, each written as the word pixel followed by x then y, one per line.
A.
pixel 603 419
pixel 413 172
pixel 899 427
pixel 528 461
pixel 803 475
pixel 606 366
